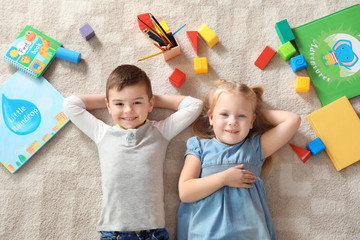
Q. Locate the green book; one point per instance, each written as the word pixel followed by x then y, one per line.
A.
pixel 331 47
pixel 32 51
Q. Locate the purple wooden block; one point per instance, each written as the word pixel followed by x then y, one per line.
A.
pixel 87 32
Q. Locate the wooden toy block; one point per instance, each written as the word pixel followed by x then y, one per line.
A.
pixel 177 78
pixel 315 146
pixel 87 32
pixel 298 63
pixel 192 35
pixel 200 65
pixel 264 57
pixel 303 154
pixel 302 84
pixel 284 31
pixel 68 55
pixel 286 51
pixel 208 35
pixel 164 26
pixel 145 17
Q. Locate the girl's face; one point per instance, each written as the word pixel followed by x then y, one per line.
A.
pixel 232 118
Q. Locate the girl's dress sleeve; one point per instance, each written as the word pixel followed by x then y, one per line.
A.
pixel 256 144
pixel 194 147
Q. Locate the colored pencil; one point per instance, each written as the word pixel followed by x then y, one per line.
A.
pixel 159 47
pixel 154 36
pixel 152 55
pixel 172 39
pixel 179 29
pixel 158 30
pixel 165 35
pixel 160 43
pixel 149 27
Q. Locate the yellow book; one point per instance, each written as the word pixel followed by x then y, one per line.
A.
pixel 338 126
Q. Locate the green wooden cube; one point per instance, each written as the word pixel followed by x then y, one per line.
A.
pixel 286 51
pixel 284 31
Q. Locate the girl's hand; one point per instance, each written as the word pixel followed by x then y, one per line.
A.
pixel 237 177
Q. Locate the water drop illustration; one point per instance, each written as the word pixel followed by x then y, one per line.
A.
pixel 20 116
pixel 22 158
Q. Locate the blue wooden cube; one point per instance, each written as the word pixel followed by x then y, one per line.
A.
pixel 298 63
pixel 315 146
pixel 87 32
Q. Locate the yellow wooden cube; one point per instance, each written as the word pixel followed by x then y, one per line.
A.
pixel 302 84
pixel 208 35
pixel 200 65
pixel 164 26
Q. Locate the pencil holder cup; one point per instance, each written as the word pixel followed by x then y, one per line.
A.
pixel 173 52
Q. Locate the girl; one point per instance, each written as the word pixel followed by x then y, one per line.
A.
pixel 220 189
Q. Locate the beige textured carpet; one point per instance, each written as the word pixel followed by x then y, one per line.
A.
pixel 57 194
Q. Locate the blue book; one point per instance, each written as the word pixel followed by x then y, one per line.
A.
pixel 31 113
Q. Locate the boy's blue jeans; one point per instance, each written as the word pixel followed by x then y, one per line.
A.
pixel 153 234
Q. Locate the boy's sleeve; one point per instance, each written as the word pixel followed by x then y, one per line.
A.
pixel 189 109
pixel 76 110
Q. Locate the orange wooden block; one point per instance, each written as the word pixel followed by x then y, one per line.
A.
pixel 145 17
pixel 177 78
pixel 264 57
pixel 192 35
pixel 301 152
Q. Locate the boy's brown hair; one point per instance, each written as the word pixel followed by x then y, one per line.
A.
pixel 126 75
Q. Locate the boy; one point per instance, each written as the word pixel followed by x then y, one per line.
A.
pixel 132 152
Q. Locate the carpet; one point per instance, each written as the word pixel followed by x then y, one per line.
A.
pixel 57 193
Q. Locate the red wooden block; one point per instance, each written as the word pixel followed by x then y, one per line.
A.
pixel 301 152
pixel 265 57
pixel 145 17
pixel 177 78
pixel 192 35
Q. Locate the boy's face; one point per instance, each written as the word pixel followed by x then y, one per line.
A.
pixel 130 106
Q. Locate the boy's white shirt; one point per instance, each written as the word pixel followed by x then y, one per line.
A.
pixel 132 164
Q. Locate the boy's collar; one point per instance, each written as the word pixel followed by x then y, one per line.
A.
pixel 146 121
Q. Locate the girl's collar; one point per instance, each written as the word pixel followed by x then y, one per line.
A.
pixel 224 144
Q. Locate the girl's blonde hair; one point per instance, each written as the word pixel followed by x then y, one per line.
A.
pixel 202 128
